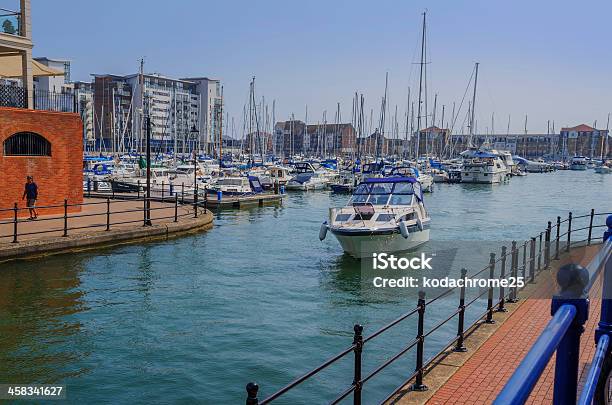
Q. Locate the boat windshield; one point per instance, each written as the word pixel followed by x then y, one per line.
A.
pixel 383 194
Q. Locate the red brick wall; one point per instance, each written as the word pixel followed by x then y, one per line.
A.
pixel 58 176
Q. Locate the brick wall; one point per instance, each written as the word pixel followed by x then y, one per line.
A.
pixel 58 176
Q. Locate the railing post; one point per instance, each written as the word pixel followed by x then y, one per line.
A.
pixel 547 245
pixel 138 187
pixel 175 208
pixel 532 249
pixel 112 182
pixel 569 232
pixel 605 320
pixel 251 389
pixel 502 275
pixel 557 238
pixel 65 218
pixel 572 279
pixel 524 266
pixel 205 200
pixel 144 209
pixel 183 193
pixel 358 350
pixel 490 295
pixel 514 273
pixel 418 384
pixel 591 226
pixel 89 187
pixel 195 200
pixel 540 254
pixel 163 185
pixel 108 214
pixel 460 347
pixel 15 212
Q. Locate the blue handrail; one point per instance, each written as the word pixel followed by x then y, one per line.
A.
pixel 528 373
pixel 586 398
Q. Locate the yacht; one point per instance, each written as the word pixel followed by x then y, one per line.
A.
pixel 383 215
pixel 604 168
pixel 483 167
pixel 236 185
pixel 306 178
pixel 578 163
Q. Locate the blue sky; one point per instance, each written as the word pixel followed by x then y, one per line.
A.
pixel 548 59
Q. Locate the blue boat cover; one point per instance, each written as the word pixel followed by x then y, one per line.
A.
pixel 391 180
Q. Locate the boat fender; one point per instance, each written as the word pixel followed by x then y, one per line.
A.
pixel 420 224
pixel 404 229
pixel 219 195
pixel 323 231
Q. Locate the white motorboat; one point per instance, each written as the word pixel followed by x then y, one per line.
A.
pixel 306 178
pixel 483 167
pixel 236 185
pixel 604 168
pixel 578 163
pixel 426 180
pixel 383 215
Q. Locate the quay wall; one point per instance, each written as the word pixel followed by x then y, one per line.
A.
pixel 58 176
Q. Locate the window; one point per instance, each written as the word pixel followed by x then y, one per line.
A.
pixel 27 144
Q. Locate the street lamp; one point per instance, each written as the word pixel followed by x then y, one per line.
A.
pixel 195 133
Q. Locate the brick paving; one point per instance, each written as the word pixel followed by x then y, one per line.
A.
pixel 485 373
pixel 53 225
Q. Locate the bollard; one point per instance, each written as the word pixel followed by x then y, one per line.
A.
pixel 107 214
pixel 591 227
pixel 569 232
pixel 65 218
pixel 502 275
pixel 490 295
pixel 418 384
pixel 251 389
pixel 15 211
pixel 358 350
pixel 557 238
pixel 572 279
pixel 460 347
pixel 532 248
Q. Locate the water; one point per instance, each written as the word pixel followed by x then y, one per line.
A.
pixel 259 297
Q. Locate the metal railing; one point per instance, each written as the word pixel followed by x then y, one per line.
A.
pixel 570 309
pixel 16 96
pixel 113 205
pixel 525 260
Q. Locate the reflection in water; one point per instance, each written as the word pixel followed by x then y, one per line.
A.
pixel 41 336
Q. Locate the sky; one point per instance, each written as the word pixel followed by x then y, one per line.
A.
pixel 549 60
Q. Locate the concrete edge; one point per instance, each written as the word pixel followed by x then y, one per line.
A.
pixel 78 242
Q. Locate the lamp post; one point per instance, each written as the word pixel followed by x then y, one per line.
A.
pixel 148 195
pixel 195 133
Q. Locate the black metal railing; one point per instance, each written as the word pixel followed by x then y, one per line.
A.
pixel 16 96
pixel 525 260
pixel 113 205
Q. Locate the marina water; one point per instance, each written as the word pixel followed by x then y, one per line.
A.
pixel 257 298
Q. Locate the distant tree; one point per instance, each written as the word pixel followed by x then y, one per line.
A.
pixel 8 27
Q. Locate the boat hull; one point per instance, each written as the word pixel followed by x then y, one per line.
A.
pixel 360 246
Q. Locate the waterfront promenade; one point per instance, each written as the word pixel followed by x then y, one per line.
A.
pixel 100 222
pixel 495 350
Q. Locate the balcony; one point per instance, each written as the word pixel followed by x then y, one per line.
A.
pixel 16 96
pixel 10 22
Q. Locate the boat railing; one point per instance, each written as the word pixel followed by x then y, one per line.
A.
pixel 67 217
pixel 525 259
pixel 570 310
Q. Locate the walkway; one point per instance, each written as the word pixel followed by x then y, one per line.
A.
pixel 484 374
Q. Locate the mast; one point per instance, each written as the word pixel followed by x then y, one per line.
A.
pixel 141 80
pixel 473 107
pixel 418 129
pixel 221 129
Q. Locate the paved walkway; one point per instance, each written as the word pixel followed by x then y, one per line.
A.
pixel 93 213
pixel 485 373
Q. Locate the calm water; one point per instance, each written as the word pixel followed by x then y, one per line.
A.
pixel 259 297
